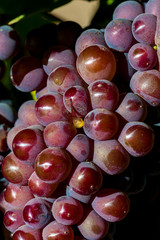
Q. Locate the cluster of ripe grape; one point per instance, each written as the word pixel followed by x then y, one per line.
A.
pixel 70 153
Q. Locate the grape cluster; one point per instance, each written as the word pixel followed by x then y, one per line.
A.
pixel 71 168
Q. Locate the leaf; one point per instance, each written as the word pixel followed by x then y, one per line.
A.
pixel 18 7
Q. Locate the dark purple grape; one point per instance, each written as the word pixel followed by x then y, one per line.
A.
pixel 118 34
pixel 67 33
pixel 9 42
pixel 144 28
pixel 27 74
pixel 38 40
pixel 142 56
pixel 128 10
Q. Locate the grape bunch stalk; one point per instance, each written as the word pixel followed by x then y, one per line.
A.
pixel 77 156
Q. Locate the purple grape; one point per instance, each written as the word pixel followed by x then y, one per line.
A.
pixel 144 28
pixel 67 210
pixel 63 77
pixel 27 74
pixel 132 108
pixel 100 124
pixel 111 204
pixel 110 156
pixel 77 101
pixel 128 10
pixel 80 147
pixel 92 226
pixel 13 219
pixel 26 233
pixel 87 38
pixel 57 56
pixel 59 134
pixel 142 57
pixel 9 42
pixel 118 34
pixel 103 94
pixel 147 85
pixel 49 108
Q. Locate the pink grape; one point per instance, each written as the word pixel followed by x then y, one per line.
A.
pixel 13 219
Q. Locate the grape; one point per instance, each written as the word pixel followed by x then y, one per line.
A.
pixel 86 179
pixel 67 33
pixel 111 204
pixel 152 7
pixel 15 171
pixel 67 210
pixel 57 56
pixel 147 85
pixel 142 57
pixel 7 114
pixel 36 213
pixel 13 219
pixel 132 107
pixel 57 231
pixel 118 34
pixel 3 138
pixel 26 113
pixel 103 94
pixel 62 78
pixel 128 10
pixel 80 147
pixel 38 40
pixel 41 92
pixel 96 62
pixel 53 164
pixel 27 233
pixel 50 108
pixel 87 38
pixel 92 226
pixel 28 143
pixel 12 133
pixel 17 196
pixel 39 188
pixel 100 124
pixel 59 134
pixel 110 156
pixel 9 42
pixel 27 74
pixel 77 101
pixel 80 197
pixel 137 138
pixel 144 28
